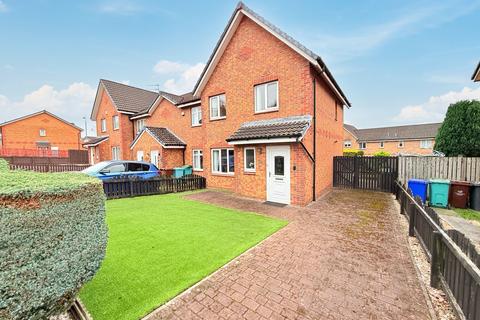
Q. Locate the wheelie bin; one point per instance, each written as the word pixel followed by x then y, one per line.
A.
pixel 475 196
pixel 439 192
pixel 459 192
pixel 419 188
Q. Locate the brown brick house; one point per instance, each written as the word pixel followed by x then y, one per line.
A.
pixel 476 73
pixel 407 140
pixel 264 119
pixel 39 134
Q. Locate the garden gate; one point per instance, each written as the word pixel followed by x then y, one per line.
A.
pixel 368 173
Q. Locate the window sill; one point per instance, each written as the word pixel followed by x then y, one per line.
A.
pixel 198 170
pixel 220 174
pixel 196 125
pixel 114 129
pixel 267 111
pixel 216 119
pixel 252 173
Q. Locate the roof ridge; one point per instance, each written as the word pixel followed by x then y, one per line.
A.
pixel 402 126
pixel 127 85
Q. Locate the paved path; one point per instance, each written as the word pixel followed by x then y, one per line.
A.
pixel 470 228
pixel 343 257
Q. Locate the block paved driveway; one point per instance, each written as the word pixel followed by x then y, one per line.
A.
pixel 343 257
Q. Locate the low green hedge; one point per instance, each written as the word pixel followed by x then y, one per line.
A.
pixel 53 239
pixel 382 154
pixel 352 152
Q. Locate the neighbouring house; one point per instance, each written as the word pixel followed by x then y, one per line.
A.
pixel 264 120
pixel 39 134
pixel 417 139
pixel 476 73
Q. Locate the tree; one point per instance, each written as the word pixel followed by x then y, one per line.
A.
pixel 460 131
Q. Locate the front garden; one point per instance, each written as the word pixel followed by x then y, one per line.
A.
pixel 161 245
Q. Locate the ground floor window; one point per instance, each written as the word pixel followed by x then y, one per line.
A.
pixel 363 145
pixel 347 144
pixel 197 160
pixel 115 153
pixel 249 159
pixel 382 144
pixel 223 161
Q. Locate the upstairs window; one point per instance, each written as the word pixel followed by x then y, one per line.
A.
pixel 382 145
pixel 43 133
pixel 140 125
pixel 266 97
pixel 115 123
pixel 196 116
pixel 347 144
pixel 223 161
pixel 104 125
pixel 218 107
pixel 426 144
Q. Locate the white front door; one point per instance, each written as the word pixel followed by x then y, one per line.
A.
pixel 139 155
pixel 92 155
pixel 154 157
pixel 278 174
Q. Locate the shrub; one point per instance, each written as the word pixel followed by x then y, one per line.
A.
pixel 460 130
pixel 4 166
pixel 352 152
pixel 382 154
pixel 53 240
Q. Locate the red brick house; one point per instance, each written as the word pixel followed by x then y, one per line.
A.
pixel 265 118
pixel 39 134
pixel 476 74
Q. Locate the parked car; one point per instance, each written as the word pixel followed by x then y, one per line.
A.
pixel 116 168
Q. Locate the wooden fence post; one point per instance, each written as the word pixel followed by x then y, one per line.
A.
pixel 131 187
pixel 411 222
pixel 437 260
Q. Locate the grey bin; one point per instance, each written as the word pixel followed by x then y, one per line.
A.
pixel 475 196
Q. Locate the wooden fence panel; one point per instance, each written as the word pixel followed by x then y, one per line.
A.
pixel 125 188
pixel 49 167
pixel 455 260
pixel 367 173
pixel 452 168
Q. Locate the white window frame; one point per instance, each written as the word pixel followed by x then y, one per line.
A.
pixel 116 122
pixel 196 113
pixel 42 132
pixel 116 153
pixel 362 145
pixel 429 144
pixel 382 144
pixel 103 125
pixel 265 85
pixel 140 127
pixel 245 160
pixel 210 106
pixel 401 144
pixel 347 144
pixel 197 153
pixel 220 159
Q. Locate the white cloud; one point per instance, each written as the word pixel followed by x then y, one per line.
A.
pixel 71 103
pixel 186 75
pixel 436 107
pixel 3 6
pixel 169 67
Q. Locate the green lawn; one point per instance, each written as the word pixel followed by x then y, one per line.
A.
pixel 468 214
pixel 160 245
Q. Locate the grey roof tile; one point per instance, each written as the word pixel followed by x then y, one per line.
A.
pixel 415 131
pixel 93 141
pixel 128 98
pixel 165 137
pixel 289 127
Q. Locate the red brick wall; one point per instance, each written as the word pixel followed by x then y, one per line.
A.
pixel 121 137
pixel 167 158
pixel 24 134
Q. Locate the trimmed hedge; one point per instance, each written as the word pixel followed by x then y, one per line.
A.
pixel 53 240
pixel 4 166
pixel 352 152
pixel 382 154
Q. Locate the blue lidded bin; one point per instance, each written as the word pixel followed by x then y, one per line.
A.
pixel 419 188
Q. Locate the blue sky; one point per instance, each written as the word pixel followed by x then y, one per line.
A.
pixel 398 62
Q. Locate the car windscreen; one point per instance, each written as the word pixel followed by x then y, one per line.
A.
pixel 115 168
pixel 95 168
